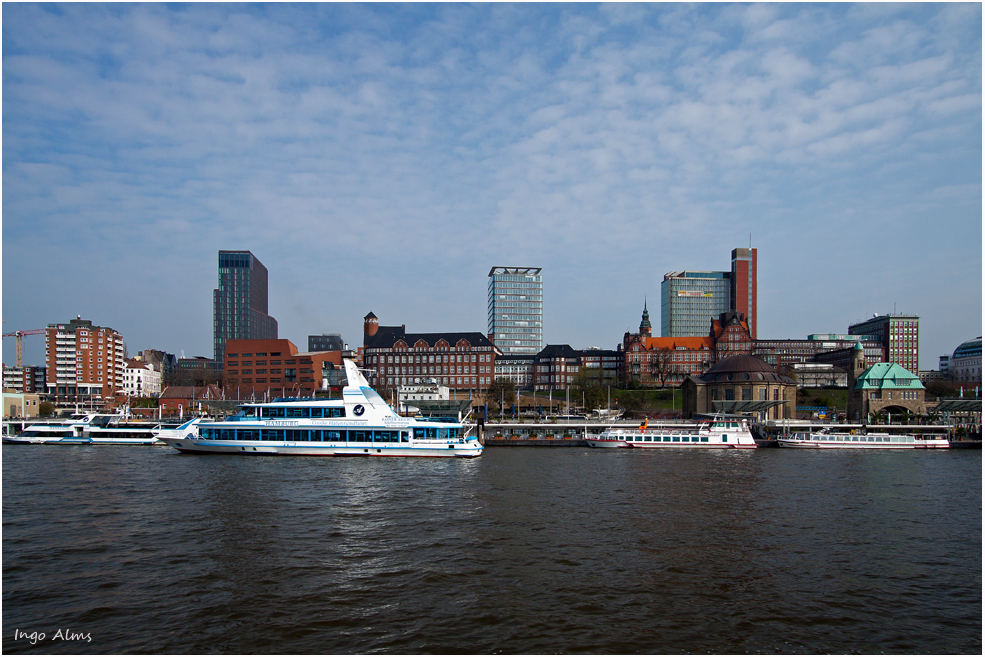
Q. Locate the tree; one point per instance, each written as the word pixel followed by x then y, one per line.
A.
pixel 46 409
pixel 940 389
pixel 144 402
pixel 660 366
pixel 501 393
pixel 592 384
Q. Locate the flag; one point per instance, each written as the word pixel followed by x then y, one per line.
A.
pixel 644 425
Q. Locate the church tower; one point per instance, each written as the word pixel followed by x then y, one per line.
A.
pixel 646 330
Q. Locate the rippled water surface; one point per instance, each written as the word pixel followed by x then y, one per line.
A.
pixel 524 550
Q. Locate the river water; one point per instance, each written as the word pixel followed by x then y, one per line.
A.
pixel 523 550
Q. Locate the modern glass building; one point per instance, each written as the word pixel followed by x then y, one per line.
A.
pixel 690 299
pixel 516 309
pixel 239 305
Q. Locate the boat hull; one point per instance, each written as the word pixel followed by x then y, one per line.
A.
pixel 663 445
pixel 81 440
pixel 251 448
pixel 819 444
pixel 603 443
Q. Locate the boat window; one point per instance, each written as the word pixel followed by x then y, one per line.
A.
pixel 371 395
pixel 704 439
pixel 247 434
pixel 724 437
pixel 293 412
pixel 404 436
pixel 270 434
pixel 666 439
pixel 685 439
pixel 677 439
pixel 359 436
pixel 648 439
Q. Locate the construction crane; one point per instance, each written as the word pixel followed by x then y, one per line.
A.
pixel 20 342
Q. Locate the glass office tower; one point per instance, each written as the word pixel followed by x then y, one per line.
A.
pixel 690 299
pixel 239 305
pixel 516 309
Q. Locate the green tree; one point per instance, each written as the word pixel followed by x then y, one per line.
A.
pixel 46 409
pixel 500 394
pixel 940 389
pixel 592 385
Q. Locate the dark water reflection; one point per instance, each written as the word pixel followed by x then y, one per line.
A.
pixel 523 550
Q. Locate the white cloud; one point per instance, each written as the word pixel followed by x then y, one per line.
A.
pixel 427 141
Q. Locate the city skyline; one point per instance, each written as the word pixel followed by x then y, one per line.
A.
pixel 382 158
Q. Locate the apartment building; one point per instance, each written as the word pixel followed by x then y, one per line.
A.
pixel 84 362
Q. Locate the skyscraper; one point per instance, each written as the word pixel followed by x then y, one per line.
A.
pixel 239 305
pixel 743 287
pixel 516 309
pixel 689 300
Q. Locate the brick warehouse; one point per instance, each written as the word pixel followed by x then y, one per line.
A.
pixel 460 361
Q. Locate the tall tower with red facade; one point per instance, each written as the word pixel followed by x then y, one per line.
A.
pixel 743 283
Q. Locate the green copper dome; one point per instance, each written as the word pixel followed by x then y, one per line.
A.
pixel 888 376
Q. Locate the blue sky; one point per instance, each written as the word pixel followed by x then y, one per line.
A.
pixel 383 157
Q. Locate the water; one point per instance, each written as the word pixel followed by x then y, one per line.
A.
pixel 524 550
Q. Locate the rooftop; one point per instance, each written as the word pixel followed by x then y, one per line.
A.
pixel 888 376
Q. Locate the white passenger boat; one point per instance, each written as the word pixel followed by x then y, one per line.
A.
pixel 359 424
pixel 826 439
pixel 84 429
pixel 718 434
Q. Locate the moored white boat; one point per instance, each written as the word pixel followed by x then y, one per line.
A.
pixel 84 429
pixel 602 441
pixel 360 424
pixel 719 434
pixel 825 439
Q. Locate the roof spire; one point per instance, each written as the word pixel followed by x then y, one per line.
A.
pixel 645 327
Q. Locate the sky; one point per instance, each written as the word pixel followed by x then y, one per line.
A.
pixel 384 157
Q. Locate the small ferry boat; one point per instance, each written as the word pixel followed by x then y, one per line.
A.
pixel 359 424
pixel 84 429
pixel 826 439
pixel 718 434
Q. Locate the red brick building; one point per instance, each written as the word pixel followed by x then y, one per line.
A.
pixel 731 336
pixel 745 298
pixel 84 362
pixel 186 400
pixel 256 368
pixel 650 361
pixel 460 361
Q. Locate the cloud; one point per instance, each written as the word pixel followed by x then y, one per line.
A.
pixel 377 154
